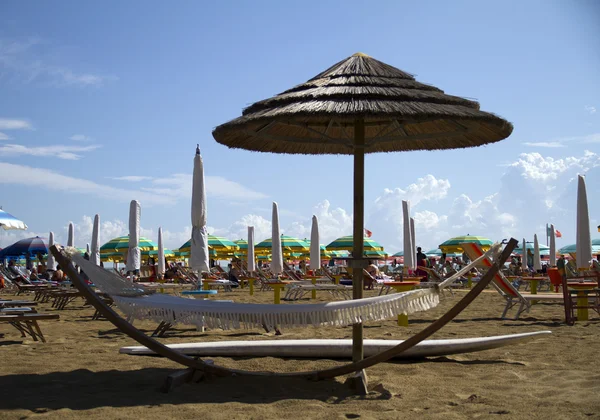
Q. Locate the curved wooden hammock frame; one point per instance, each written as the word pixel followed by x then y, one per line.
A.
pixel 211 369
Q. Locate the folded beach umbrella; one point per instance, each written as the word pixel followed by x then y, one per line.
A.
pixel 552 247
pixel 584 240
pixel 133 254
pixel 161 254
pixel 537 261
pixel 95 250
pixel 315 249
pixel 524 255
pixel 199 245
pixel 409 255
pixel 50 263
pixel 413 241
pixel 250 249
pixel 276 252
pixel 87 249
pixel 71 237
pixel 361 105
pixel 10 222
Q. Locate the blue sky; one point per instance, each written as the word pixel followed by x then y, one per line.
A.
pixel 101 103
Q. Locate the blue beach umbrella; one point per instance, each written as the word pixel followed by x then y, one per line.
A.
pixel 31 246
pixel 10 222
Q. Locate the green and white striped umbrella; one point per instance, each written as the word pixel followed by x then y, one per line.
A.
pixel 438 253
pixel 453 245
pixel 572 249
pixel 121 245
pixel 345 243
pixel 216 243
pixel 376 254
pixel 288 245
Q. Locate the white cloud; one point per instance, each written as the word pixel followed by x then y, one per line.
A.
pixel 534 166
pixel 80 137
pixel 132 178
pixel 544 144
pixel 38 177
pixel 590 109
pixel 31 61
pixel 180 186
pixel 57 151
pixel 14 124
pixel 4 136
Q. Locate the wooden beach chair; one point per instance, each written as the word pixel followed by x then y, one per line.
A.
pixel 512 296
pixel 27 324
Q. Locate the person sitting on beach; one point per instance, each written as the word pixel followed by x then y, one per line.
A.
pixel 372 269
pixel 58 275
pixel 33 274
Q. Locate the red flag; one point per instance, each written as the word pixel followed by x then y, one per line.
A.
pixel 558 234
pixel 368 233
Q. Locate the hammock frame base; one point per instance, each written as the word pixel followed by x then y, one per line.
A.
pixel 208 368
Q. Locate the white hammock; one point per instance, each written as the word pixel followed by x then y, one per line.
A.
pixel 137 302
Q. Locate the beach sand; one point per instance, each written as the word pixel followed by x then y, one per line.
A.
pixel 79 372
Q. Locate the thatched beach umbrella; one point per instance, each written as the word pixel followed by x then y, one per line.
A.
pixel 584 239
pixel 361 105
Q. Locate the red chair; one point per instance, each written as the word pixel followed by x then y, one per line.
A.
pixel 555 278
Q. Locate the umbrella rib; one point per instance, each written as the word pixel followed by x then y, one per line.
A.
pixel 428 136
pixel 291 139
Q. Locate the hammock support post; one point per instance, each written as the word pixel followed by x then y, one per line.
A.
pixel 208 368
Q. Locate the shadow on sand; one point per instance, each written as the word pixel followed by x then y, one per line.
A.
pixel 83 389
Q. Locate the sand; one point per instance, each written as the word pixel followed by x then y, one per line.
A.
pixel 79 372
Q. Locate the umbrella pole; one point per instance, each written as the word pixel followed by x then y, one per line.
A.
pixel 359 381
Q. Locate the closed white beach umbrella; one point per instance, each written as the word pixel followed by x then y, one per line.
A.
pixel 133 254
pixel 161 254
pixel 413 241
pixel 584 240
pixel 95 250
pixel 251 259
pixel 51 263
pixel 71 237
pixel 524 256
pixel 407 237
pixel 552 246
pixel 537 261
pixel 276 257
pixel 87 248
pixel 315 248
pixel 199 249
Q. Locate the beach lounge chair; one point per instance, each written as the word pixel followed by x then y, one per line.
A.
pixel 27 324
pixel 512 296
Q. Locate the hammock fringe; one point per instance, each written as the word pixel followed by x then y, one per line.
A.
pixel 136 302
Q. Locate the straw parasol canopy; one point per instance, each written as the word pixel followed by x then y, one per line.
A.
pixel 361 105
pixel 399 113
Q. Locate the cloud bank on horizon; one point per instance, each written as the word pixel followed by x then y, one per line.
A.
pixel 534 190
